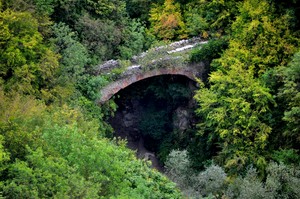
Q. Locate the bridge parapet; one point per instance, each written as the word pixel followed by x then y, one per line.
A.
pixel 152 56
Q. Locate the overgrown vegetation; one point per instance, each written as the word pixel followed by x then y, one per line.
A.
pixel 55 143
pixel 281 180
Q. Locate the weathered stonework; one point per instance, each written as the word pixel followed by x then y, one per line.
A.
pixel 191 71
pixel 165 62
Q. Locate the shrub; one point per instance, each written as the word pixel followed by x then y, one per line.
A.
pixel 283 181
pixel 209 51
pixel 286 156
pixel 210 181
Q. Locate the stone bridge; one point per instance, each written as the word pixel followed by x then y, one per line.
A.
pixel 170 59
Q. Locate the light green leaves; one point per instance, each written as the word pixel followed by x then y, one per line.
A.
pixel 233 108
pixel 166 21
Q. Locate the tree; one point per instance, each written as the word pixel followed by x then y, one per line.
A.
pixel 109 9
pixel 166 21
pixel 74 54
pixel 289 93
pixel 133 41
pixel 4 156
pixel 19 117
pixel 140 8
pixel 259 41
pixel 108 163
pixel 260 38
pixel 42 176
pixel 100 37
pixel 210 18
pixel 234 109
pixel 27 64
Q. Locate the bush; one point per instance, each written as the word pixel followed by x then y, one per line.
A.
pixel 208 52
pixel 286 156
pixel 281 182
pixel 210 181
pixel 248 187
pixel 177 165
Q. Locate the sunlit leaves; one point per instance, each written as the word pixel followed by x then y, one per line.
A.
pixel 18 40
pixel 107 163
pixel 234 107
pixel 26 62
pixel 166 21
pixel 107 8
pixel 45 177
pixel 4 156
pixel 236 104
pixel 264 35
pixel 19 116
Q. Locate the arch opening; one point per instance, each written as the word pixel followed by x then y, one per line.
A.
pixel 113 88
pixel 153 114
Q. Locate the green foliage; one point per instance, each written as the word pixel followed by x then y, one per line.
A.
pixel 27 64
pixel 100 37
pixel 210 182
pixel 289 93
pixel 201 149
pixel 46 177
pixel 195 23
pixel 177 167
pixel 74 54
pixel 20 117
pixel 286 156
pixel 44 7
pixel 4 156
pixel 207 52
pixel 94 112
pixel 51 131
pixel 173 93
pixel 209 18
pixel 154 124
pixel 101 161
pixel 234 108
pixel 260 39
pixel 166 21
pixel 280 182
pixel 133 41
pixel 90 86
pixel 248 187
pixel 140 9
pixel 113 9
pixel 69 158
pixel 157 118
pixel 103 28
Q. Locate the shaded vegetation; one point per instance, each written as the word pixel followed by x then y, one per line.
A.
pixel 55 143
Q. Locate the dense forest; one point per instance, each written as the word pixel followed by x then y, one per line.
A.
pixel 56 142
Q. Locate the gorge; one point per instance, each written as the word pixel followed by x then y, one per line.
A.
pixel 154 114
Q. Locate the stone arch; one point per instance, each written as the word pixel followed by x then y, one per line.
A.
pixel 111 89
